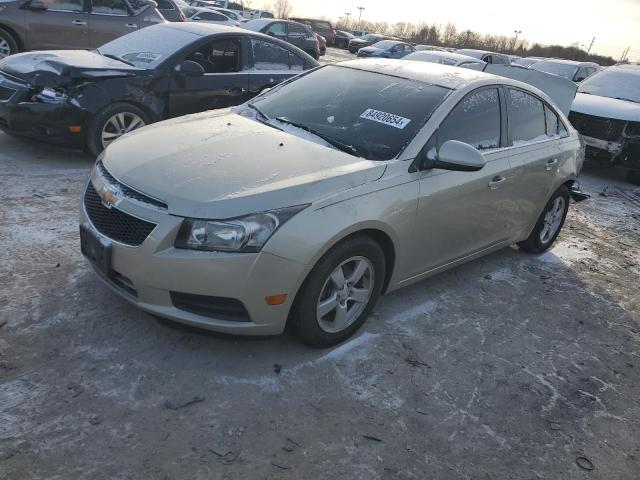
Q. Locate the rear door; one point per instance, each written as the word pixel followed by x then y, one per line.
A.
pixel 63 25
pixel 224 83
pixel 109 19
pixel 296 35
pixel 270 64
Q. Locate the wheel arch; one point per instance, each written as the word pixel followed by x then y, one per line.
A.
pixel 13 32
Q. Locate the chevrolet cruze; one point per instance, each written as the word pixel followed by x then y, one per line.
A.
pixel 304 205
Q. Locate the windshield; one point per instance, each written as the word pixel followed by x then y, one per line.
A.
pixel 614 83
pixel 149 47
pixel 320 25
pixel 372 38
pixel 375 115
pixel 560 69
pixel 384 44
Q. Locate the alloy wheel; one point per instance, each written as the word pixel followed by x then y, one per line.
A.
pixel 118 125
pixel 552 220
pixel 345 294
pixel 5 48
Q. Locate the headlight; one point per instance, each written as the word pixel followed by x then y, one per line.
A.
pixel 243 234
pixel 52 95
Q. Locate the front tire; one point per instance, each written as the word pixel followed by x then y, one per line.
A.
pixel 8 44
pixel 339 293
pixel 549 223
pixel 113 122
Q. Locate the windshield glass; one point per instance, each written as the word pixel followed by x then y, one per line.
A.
pixel 560 69
pixel 375 115
pixel 372 38
pixel 614 83
pixel 148 47
pixel 384 44
pixel 320 25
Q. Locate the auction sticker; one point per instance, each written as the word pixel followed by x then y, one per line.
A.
pixel 390 119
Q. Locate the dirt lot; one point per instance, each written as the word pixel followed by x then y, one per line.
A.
pixel 511 367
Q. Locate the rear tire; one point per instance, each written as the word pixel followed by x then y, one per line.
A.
pixel 8 44
pixel 549 223
pixel 633 177
pixel 361 262
pixel 99 128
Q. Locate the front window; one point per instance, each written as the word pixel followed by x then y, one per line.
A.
pixel 147 47
pixel 220 56
pixel 372 115
pixel 620 83
pixel 560 69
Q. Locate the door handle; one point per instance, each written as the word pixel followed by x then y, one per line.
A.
pixel 131 25
pixel 79 22
pixel 495 183
pixel 551 163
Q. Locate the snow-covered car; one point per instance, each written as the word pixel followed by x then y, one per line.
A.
pixel 305 204
pixel 447 58
pixel 420 48
pixel 527 61
pixel 386 49
pixel 569 69
pixel 606 111
pixel 486 56
pixel 207 15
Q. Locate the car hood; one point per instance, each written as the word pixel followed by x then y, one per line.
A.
pixel 359 40
pixel 371 50
pixel 606 107
pixel 59 67
pixel 221 165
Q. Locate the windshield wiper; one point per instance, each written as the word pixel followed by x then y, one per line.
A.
pixel 331 141
pixel 115 57
pixel 260 112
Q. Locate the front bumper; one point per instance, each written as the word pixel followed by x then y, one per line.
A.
pixel 624 153
pixel 150 275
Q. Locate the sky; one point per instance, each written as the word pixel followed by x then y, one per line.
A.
pixel 614 23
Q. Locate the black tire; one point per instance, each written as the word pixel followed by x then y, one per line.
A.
pixel 303 319
pixel 633 177
pixel 94 130
pixel 10 40
pixel 535 244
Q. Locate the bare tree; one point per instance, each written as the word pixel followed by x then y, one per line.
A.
pixel 282 8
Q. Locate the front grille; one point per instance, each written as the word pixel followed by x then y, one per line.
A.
pixel 128 191
pixel 221 308
pixel 597 127
pixel 6 93
pixel 114 223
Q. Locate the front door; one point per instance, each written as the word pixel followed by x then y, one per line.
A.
pixel 223 84
pixel 63 25
pixel 462 213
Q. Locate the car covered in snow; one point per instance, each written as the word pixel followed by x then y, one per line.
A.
pixel 569 69
pixel 447 58
pixel 387 49
pixel 87 99
pixel 305 204
pixel 606 111
pixel 359 42
pixel 486 56
pixel 526 61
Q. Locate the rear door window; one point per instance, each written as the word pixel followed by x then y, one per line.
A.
pixel 109 7
pixel 475 120
pixel 65 5
pixel 269 56
pixel 526 117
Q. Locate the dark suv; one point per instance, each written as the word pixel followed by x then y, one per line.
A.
pixel 293 32
pixel 321 27
pixel 64 24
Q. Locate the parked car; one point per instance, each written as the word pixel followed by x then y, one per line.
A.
pixel 89 99
pixel 527 61
pixel 485 56
pixel 386 49
pixel 70 24
pixel 207 15
pixel 288 31
pixel 447 58
pixel 321 27
pixel 173 10
pixel 360 33
pixel 574 71
pixel 344 200
pixel 342 39
pixel 606 111
pixel 357 43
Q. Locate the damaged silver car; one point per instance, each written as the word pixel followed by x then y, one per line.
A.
pixel 304 205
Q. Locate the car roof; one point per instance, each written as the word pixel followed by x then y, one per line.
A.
pixel 472 52
pixel 459 57
pixel 630 68
pixel 425 72
pixel 202 29
pixel 568 62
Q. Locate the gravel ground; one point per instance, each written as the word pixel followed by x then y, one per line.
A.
pixel 511 367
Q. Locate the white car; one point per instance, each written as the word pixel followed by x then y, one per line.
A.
pixel 447 58
pixel 606 111
pixel 207 15
pixel 569 69
pixel 527 61
pixel 486 56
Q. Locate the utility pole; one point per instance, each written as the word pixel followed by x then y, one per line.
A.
pixel 624 55
pixel 360 18
pixel 515 39
pixel 591 45
pixel 347 14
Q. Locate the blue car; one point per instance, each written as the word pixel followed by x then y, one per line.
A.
pixel 387 49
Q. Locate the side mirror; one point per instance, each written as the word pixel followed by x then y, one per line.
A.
pixel 459 156
pixel 189 68
pixel 38 5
